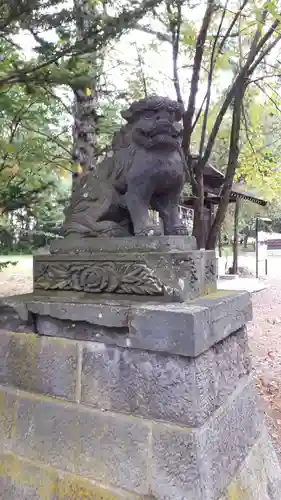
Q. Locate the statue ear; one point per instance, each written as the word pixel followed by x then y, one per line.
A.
pixel 179 111
pixel 127 115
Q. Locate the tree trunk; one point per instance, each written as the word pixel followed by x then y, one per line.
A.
pixel 231 167
pixel 85 97
pixel 235 238
pixel 198 221
pixel 220 245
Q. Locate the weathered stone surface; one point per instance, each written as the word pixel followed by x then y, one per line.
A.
pixel 156 386
pixel 24 480
pixel 199 463
pixel 186 329
pixel 107 314
pixel 174 471
pixel 72 487
pixel 39 364
pixel 135 244
pixel 145 170
pixel 259 477
pixel 190 329
pixel 7 419
pixel 172 275
pixel 209 272
pixel 21 480
pixel 107 448
pixel 226 439
pixel 11 320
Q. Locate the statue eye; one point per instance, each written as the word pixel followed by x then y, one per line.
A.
pixel 149 113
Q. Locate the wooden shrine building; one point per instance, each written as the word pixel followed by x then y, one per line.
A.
pixel 213 181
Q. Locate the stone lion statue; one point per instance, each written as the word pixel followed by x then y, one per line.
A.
pixel 146 170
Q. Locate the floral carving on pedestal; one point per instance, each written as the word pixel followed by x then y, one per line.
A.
pixel 98 277
pixel 210 271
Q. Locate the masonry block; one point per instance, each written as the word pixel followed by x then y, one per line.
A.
pixel 157 386
pixel 193 464
pixel 109 448
pixel 15 320
pixel 161 402
pixel 47 366
pixel 189 330
pixel 226 439
pixel 21 479
pixel 8 407
pixel 258 478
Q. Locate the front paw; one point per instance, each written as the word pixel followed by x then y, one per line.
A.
pixel 149 231
pixel 179 231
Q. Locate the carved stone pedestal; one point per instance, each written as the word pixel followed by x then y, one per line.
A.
pixel 146 267
pixel 131 401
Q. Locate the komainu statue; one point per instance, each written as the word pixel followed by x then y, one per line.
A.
pixel 146 170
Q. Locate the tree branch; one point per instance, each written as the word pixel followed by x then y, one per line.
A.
pixel 231 26
pixel 197 62
pixel 108 28
pixel 162 37
pixel 175 22
pixel 49 137
pixel 209 87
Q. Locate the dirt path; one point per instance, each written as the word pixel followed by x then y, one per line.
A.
pixel 265 344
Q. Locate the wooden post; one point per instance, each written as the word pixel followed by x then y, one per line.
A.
pixel 235 238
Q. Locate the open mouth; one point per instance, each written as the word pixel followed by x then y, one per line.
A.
pixel 152 134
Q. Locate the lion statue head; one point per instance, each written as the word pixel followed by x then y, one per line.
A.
pixel 153 123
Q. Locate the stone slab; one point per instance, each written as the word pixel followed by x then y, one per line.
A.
pixel 186 329
pixel 156 386
pixel 174 276
pixel 108 448
pixel 167 267
pixel 259 477
pixel 15 318
pixel 39 364
pixel 73 245
pixel 199 464
pixel 8 404
pixel 190 329
pixel 21 479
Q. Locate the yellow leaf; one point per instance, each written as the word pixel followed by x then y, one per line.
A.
pixel 10 148
pixel 88 92
pixel 77 169
pixel 64 172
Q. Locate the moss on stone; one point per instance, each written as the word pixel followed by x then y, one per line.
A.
pixel 72 488
pixel 22 473
pixel 7 416
pixel 48 483
pixel 236 492
pixel 219 293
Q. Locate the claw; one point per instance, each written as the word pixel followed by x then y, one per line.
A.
pixel 179 231
pixel 149 231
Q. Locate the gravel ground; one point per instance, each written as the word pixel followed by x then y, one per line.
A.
pixel 264 339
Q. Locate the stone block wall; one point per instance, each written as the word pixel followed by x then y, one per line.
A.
pixel 122 416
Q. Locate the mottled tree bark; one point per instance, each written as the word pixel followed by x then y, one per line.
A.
pixel 85 97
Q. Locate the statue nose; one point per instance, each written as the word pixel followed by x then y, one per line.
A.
pixel 163 119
